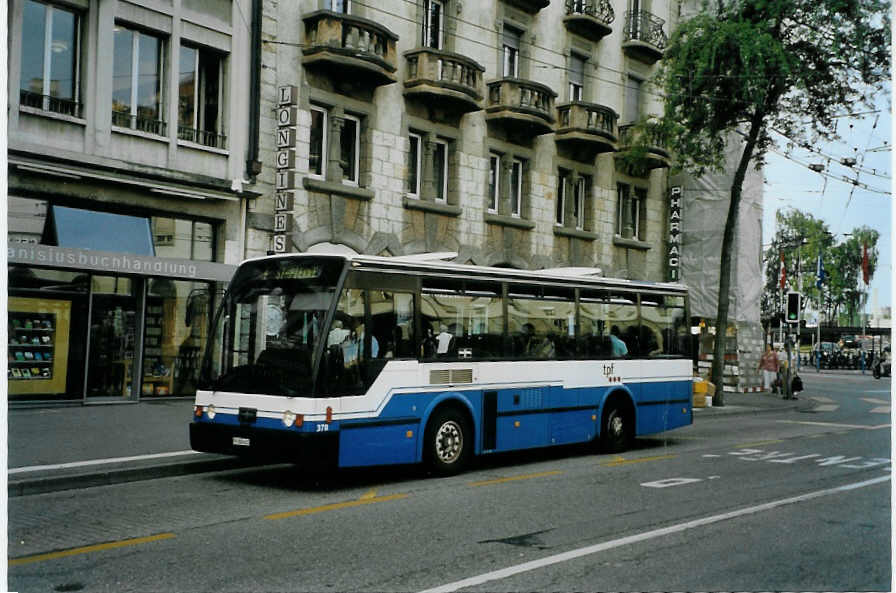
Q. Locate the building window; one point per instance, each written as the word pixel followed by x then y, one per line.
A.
pixel 576 77
pixel 631 203
pixel 343 6
pixel 200 92
pixel 137 81
pixel 560 217
pixel 433 23
pixel 511 49
pixel 578 205
pixel 414 164
pixel 349 145
pixel 494 181
pixel 633 99
pixel 317 157
pixel 516 188
pixel 440 170
pixel 50 59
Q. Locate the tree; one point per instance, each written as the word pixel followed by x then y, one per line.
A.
pixel 848 294
pixel 842 290
pixel 794 228
pixel 753 66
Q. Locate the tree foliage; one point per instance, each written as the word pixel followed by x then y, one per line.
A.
pixel 843 291
pixel 751 67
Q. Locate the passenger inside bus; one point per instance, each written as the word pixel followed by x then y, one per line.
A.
pixel 444 341
pixel 619 347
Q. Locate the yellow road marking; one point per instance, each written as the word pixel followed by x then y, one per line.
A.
pixel 369 494
pixel 516 478
pixel 336 506
pixel 88 549
pixel 621 461
pixel 746 445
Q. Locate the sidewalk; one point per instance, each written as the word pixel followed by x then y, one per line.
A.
pixel 64 447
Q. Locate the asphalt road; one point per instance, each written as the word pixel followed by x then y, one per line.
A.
pixel 777 501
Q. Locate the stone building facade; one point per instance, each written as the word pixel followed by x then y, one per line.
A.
pixel 127 190
pixel 491 129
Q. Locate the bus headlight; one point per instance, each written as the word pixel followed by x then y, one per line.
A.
pixel 210 412
pixel 289 418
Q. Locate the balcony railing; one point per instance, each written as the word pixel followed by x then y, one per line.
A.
pixel 588 116
pixel 522 101
pixel 444 75
pixel 649 136
pixel 52 104
pixel 587 123
pixel 211 139
pixel 644 35
pixel 589 18
pixel 156 127
pixel 350 43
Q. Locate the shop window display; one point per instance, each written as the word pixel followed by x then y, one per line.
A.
pixel 176 327
pixel 113 337
pixel 45 308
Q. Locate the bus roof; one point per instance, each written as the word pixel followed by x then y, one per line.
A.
pixel 436 262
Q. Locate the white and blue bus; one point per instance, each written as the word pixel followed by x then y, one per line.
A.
pixel 364 360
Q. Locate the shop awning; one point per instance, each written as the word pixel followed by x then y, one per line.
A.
pixel 100 231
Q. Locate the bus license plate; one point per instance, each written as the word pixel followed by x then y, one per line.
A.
pixel 241 442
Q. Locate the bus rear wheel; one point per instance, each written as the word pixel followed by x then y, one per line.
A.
pixel 448 442
pixel 617 427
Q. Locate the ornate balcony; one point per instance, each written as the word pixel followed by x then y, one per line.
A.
pixel 589 18
pixel 521 105
pixel 649 138
pixel 587 125
pixel 451 79
pixel 530 6
pixel 350 47
pixel 644 38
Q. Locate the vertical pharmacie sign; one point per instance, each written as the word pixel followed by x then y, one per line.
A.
pixel 673 252
pixel 285 184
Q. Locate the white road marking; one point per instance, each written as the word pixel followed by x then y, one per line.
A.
pixel 37 468
pixel 640 537
pixel 670 482
pixel 825 408
pixel 821 398
pixel 866 427
pixel 872 400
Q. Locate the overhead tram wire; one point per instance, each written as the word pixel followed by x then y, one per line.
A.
pixel 839 160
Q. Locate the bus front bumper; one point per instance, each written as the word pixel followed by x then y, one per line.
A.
pixel 264 443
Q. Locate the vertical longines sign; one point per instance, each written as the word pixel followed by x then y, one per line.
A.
pixel 673 253
pixel 285 183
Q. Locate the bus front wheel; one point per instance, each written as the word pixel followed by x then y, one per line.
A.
pixel 448 442
pixel 617 430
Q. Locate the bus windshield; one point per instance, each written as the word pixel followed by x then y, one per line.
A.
pixel 268 327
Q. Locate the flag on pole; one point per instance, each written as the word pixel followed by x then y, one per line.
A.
pixel 783 282
pixel 865 271
pixel 819 272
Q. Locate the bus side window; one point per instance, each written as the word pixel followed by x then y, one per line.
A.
pixel 392 323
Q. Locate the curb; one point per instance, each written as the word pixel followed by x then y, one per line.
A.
pixel 54 483
pixel 736 410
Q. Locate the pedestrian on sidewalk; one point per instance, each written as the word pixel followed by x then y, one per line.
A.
pixel 768 364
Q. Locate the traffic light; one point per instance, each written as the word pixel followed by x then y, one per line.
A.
pixel 793 307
